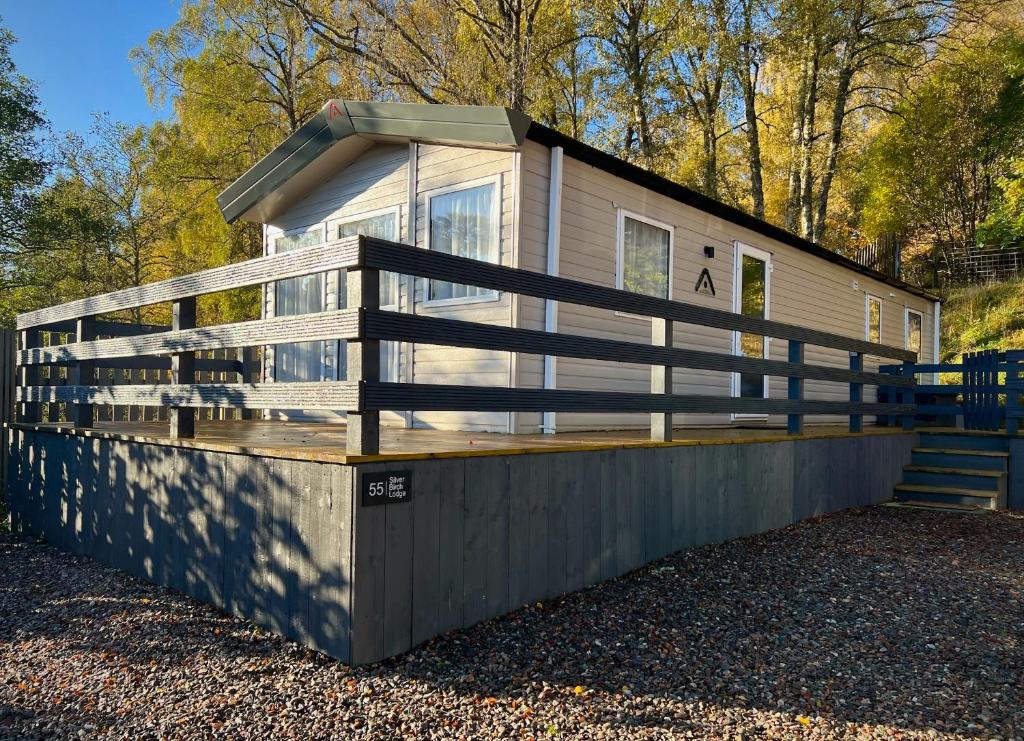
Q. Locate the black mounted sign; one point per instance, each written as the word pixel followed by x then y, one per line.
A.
pixel 386 487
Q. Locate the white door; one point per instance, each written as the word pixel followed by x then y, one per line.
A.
pixel 751 297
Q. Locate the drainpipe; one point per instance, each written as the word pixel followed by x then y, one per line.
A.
pixel 936 335
pixel 554 237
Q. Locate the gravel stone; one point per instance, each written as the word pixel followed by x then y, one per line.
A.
pixel 870 624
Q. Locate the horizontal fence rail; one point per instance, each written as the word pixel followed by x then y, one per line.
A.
pixel 176 350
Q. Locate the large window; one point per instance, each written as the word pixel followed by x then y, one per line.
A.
pixel 464 222
pixel 872 318
pixel 382 225
pixel 913 331
pixel 644 256
pixel 298 361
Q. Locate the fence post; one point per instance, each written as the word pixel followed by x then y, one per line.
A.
pixel 907 393
pixel 183 369
pixel 29 376
pixel 1012 395
pixel 83 373
pixel 250 364
pixel 795 422
pixel 856 391
pixel 363 364
pixel 661 380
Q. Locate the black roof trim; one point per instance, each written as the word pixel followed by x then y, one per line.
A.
pixel 646 179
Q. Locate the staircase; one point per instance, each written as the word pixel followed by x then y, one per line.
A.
pixel 956 470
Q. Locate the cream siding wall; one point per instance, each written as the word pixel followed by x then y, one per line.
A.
pixel 442 167
pixel 805 290
pixel 533 256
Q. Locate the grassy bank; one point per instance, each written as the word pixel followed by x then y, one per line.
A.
pixel 983 317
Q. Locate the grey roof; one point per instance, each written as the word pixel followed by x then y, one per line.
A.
pixel 343 129
pixel 338 120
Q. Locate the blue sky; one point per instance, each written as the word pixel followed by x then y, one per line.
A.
pixel 77 53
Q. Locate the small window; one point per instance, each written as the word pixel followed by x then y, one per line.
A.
pixel 466 223
pixel 873 319
pixel 645 253
pixel 913 332
pixel 382 226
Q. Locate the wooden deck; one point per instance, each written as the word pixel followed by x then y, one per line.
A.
pixel 321 441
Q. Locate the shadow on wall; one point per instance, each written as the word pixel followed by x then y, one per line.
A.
pixel 257 537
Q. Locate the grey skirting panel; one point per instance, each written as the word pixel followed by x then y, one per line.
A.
pixel 262 538
pixel 288 543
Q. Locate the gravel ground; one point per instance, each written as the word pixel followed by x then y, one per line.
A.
pixel 877 623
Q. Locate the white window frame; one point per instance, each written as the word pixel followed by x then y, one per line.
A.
pixel 868 298
pixel 273 234
pixel 739 250
pixel 906 330
pixel 489 296
pixel 334 224
pixel 620 249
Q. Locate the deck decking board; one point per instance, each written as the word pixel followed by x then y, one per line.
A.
pixel 452 475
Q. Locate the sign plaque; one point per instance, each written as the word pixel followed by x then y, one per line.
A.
pixel 386 487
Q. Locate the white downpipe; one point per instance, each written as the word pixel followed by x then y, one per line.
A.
pixel 554 238
pixel 936 337
pixel 410 281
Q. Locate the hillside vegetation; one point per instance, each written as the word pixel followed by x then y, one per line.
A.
pixel 983 317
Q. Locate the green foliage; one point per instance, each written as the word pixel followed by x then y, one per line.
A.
pixel 937 168
pixel 983 317
pixel 22 168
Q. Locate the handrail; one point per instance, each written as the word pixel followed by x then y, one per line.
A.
pixel 343 253
pixel 399 258
pixel 364 326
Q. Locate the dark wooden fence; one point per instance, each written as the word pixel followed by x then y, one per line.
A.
pixel 988 396
pixel 8 386
pixel 364 326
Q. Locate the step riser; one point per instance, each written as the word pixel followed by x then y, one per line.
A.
pixel 959 460
pixel 922 496
pixel 962 442
pixel 952 480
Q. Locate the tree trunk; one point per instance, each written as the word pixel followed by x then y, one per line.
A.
pixel 807 138
pixel 747 74
pixel 795 140
pixel 834 145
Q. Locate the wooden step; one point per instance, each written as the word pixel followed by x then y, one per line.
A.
pixel 958 471
pixel 961 451
pixel 950 490
pixel 940 507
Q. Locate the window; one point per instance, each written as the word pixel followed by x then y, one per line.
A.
pixel 751 297
pixel 464 222
pixel 644 256
pixel 872 318
pixel 912 331
pixel 298 361
pixel 382 225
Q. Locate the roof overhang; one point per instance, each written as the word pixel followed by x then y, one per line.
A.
pixel 342 130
